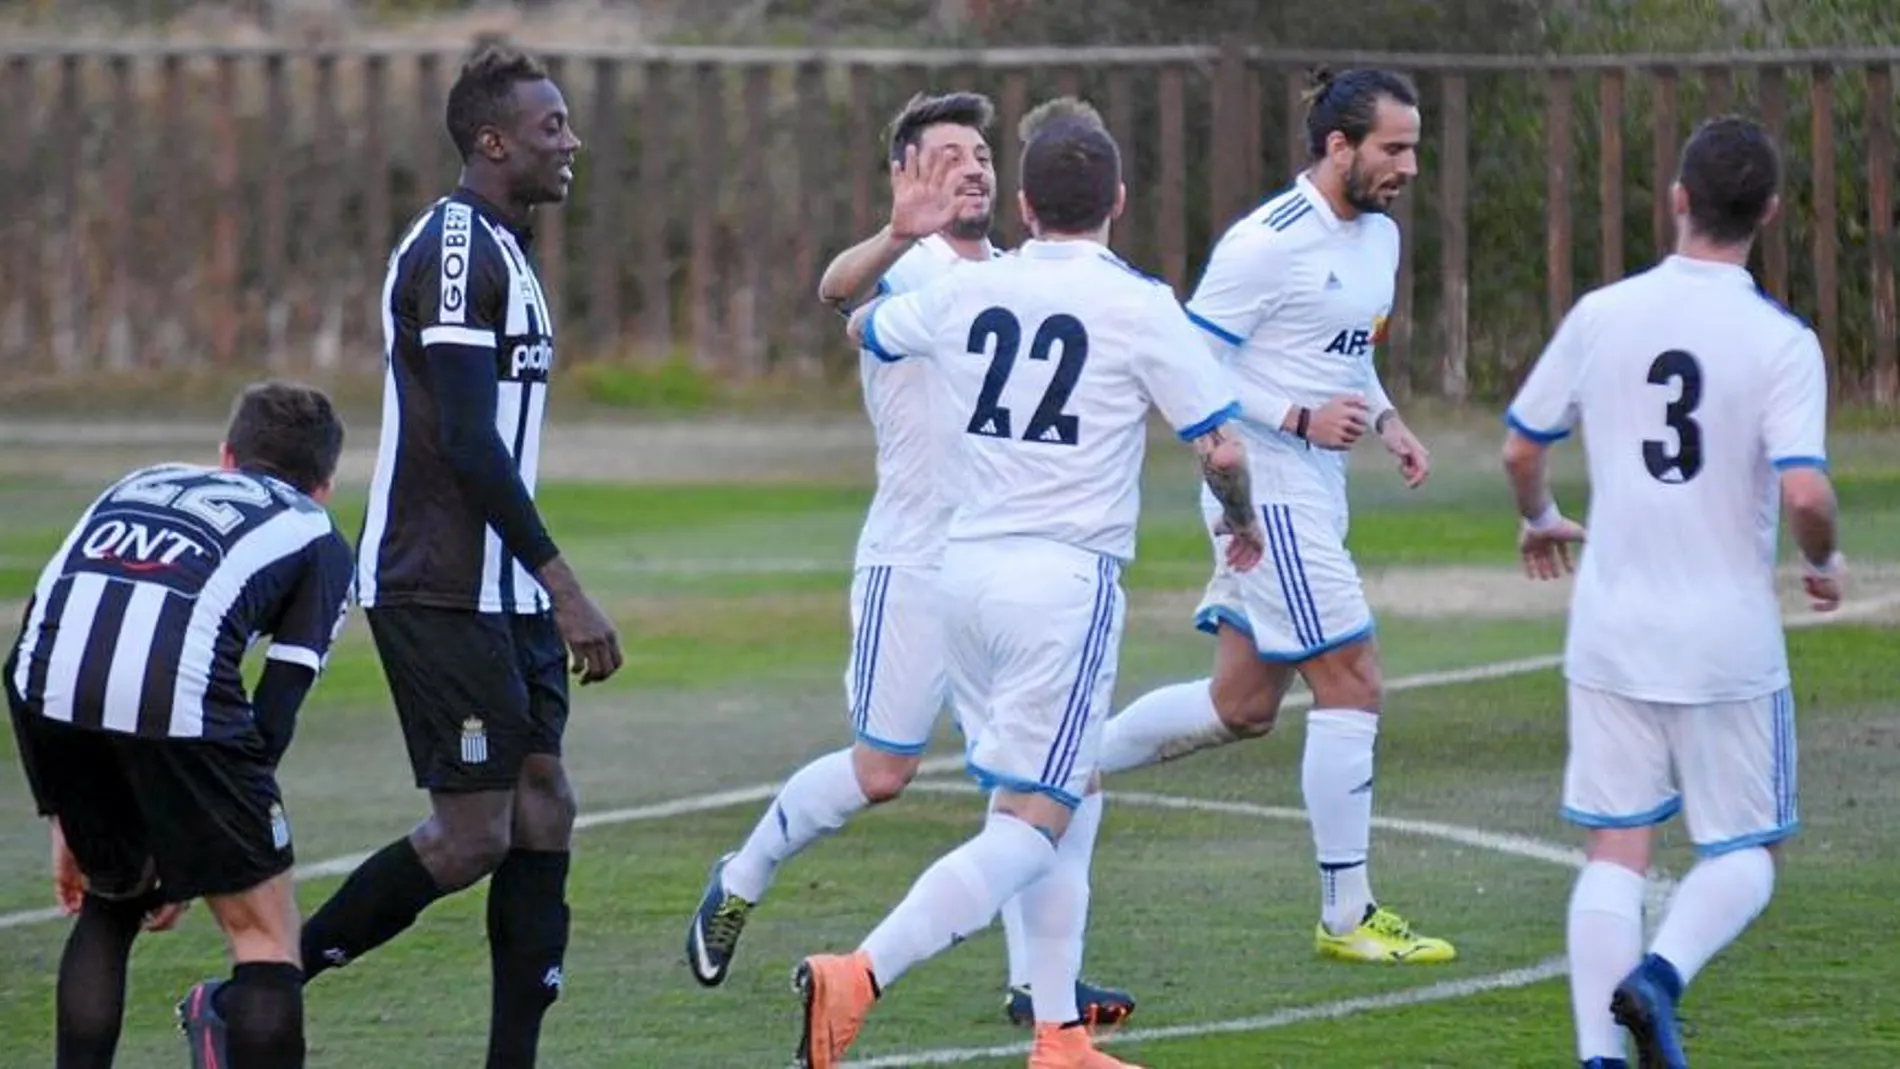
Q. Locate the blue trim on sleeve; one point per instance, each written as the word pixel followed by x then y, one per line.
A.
pixel 1215 329
pixel 1763 293
pixel 871 343
pixel 1790 463
pixel 1535 435
pixel 883 287
pixel 1194 430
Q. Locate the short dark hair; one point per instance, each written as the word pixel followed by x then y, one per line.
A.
pixel 1349 103
pixel 287 430
pixel 1071 171
pixel 483 93
pixel 1050 110
pixel 1731 170
pixel 923 111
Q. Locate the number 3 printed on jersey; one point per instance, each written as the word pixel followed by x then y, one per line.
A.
pixel 1680 461
pixel 1050 424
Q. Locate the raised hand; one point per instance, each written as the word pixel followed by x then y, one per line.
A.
pixel 923 194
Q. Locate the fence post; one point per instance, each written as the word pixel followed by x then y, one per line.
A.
pixel 1610 177
pixel 1774 245
pixel 656 178
pixel 1454 280
pixel 1880 228
pixel 1171 227
pixel 1826 219
pixel 120 355
pixel 1663 161
pixel 1557 106
pixel 217 298
pixel 606 188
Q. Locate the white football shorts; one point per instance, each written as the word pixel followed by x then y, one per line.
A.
pixel 894 680
pixel 1033 629
pixel 1303 598
pixel 1728 767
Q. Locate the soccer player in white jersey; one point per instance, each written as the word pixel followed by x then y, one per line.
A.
pixel 1706 409
pixel 1048 362
pixel 1294 299
pixel 942 203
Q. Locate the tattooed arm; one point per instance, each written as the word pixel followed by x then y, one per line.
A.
pixel 1224 469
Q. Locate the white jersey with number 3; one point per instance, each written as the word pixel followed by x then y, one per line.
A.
pixel 1694 390
pixel 1048 361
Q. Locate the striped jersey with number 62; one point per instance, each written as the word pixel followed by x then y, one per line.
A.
pixel 140 622
pixel 460 278
pixel 1694 391
pixel 1049 360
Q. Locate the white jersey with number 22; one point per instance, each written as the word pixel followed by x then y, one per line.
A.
pixel 1048 361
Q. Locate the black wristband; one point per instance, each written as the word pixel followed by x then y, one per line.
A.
pixel 1299 428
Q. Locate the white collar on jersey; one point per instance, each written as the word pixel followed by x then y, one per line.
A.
pixel 941 248
pixel 1708 268
pixel 1038 249
pixel 1321 206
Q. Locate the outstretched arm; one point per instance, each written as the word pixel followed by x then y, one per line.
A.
pixel 923 201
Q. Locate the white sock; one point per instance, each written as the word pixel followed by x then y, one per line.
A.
pixel 1016 941
pixel 1336 778
pixel 1056 912
pixel 815 802
pixel 1162 725
pixel 1605 934
pixel 959 895
pixel 1713 905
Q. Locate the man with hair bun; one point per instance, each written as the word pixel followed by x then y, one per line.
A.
pixel 1295 299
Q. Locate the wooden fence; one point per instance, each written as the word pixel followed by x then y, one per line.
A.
pixel 235 207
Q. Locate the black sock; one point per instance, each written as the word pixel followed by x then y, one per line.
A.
pixel 380 899
pixel 262 1007
pixel 527 938
pixel 91 998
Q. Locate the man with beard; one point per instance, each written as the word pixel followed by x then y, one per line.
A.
pixel 943 185
pixel 1294 299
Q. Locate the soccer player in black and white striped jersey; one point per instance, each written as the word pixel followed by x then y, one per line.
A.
pixel 472 607
pixel 140 742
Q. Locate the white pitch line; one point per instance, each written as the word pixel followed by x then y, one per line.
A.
pixel 1327 1011
pixel 338 866
pixel 1510 844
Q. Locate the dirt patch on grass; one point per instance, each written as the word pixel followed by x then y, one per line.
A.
pixel 1468 592
pixel 1505 593
pixel 712 449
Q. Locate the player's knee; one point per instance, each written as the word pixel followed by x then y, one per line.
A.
pixel 1247 702
pixel 1628 847
pixel 478 854
pixel 545 789
pixel 1248 711
pixel 460 851
pixel 1347 679
pixel 882 776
